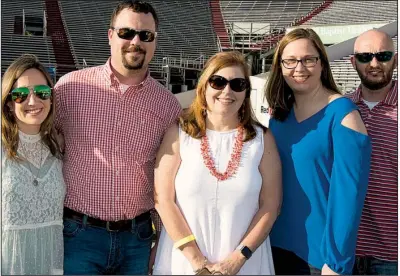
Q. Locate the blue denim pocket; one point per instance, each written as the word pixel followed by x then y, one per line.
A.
pixel 143 230
pixel 71 228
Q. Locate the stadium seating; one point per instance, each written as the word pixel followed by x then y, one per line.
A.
pixel 279 14
pixel 14 45
pixel 353 12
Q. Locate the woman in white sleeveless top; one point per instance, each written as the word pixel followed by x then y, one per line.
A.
pixel 32 183
pixel 218 180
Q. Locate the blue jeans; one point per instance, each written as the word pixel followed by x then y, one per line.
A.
pixel 93 250
pixel 371 266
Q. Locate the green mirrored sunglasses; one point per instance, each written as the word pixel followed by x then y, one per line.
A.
pixel 20 94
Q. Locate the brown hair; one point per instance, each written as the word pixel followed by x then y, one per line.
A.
pixel 193 120
pixel 135 6
pixel 9 128
pixel 278 93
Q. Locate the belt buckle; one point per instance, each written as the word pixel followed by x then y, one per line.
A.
pixel 108 227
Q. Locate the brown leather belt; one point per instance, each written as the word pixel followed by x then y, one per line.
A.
pixel 111 226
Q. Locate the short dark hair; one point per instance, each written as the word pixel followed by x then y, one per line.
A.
pixel 135 6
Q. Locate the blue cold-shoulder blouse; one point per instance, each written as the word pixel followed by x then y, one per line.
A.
pixel 325 168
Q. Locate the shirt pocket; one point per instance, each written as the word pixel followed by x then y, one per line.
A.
pixel 146 136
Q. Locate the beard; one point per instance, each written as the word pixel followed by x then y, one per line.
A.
pixel 133 62
pixel 379 83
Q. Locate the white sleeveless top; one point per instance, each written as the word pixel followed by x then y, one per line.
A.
pixel 32 238
pixel 218 212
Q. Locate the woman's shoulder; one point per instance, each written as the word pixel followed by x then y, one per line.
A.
pixel 346 113
pixel 339 102
pixel 340 106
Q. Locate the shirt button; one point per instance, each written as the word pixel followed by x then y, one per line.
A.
pixel 116 148
pixel 366 125
pixel 117 172
pixel 369 116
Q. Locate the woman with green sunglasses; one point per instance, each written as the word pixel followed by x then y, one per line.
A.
pixel 32 183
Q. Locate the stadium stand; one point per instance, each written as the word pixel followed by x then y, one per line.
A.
pixel 190 31
pixel 343 12
pixel 14 43
pixel 274 15
pixel 279 14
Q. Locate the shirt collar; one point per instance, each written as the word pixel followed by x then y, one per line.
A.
pixel 112 79
pixel 390 99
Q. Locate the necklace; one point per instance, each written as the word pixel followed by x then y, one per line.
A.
pixel 233 163
pixel 35 182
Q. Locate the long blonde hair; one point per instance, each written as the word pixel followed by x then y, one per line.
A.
pixel 9 128
pixel 193 121
pixel 278 93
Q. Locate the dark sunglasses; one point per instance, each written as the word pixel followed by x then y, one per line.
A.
pixel 237 84
pixel 384 56
pixel 20 94
pixel 129 34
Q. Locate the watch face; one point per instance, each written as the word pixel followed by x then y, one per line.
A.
pixel 246 252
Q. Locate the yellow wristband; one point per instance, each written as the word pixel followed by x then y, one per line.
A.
pixel 184 241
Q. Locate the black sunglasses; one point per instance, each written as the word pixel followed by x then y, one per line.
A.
pixel 384 56
pixel 237 84
pixel 20 94
pixel 129 34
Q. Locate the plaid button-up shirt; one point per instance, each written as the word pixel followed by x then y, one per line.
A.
pixel 111 140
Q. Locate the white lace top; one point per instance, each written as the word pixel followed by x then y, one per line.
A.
pixel 32 239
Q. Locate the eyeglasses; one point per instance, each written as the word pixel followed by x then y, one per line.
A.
pixel 291 63
pixel 384 56
pixel 129 34
pixel 237 84
pixel 20 94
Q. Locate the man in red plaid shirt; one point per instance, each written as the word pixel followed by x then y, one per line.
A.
pixel 113 118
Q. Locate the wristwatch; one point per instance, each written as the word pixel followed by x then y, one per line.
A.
pixel 246 252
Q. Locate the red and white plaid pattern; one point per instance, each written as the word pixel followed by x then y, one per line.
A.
pixel 377 235
pixel 111 141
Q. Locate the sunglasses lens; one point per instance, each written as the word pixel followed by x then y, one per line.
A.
pixel 238 84
pixel 218 82
pixel 42 91
pixel 146 36
pixel 384 56
pixel 126 33
pixel 20 94
pixel 364 57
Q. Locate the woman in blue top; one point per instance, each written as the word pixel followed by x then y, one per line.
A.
pixel 325 153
